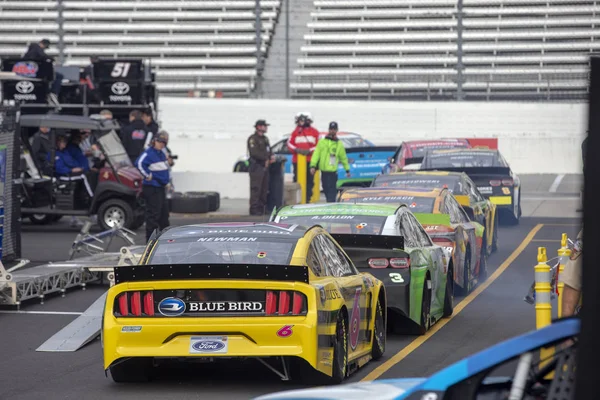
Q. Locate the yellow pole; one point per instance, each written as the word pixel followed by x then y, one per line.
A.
pixel 316 192
pixel 563 253
pixel 543 306
pixel 302 171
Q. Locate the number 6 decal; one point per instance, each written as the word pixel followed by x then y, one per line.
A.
pixel 285 331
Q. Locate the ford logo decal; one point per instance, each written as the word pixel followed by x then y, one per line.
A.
pixel 207 346
pixel 171 307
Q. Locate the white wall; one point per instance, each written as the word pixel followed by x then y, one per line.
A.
pixel 210 134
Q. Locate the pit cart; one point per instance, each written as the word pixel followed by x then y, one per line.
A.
pixel 119 85
pixel 116 187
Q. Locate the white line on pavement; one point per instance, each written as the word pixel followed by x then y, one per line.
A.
pixel 40 312
pixel 570 198
pixel 556 183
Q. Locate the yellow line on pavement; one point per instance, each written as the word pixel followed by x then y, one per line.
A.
pixel 545 240
pixel 412 346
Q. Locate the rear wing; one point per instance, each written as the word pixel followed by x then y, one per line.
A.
pixel 368 149
pixel 173 272
pixel 472 170
pixel 362 248
pixel 371 241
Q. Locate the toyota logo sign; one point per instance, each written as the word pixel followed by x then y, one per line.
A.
pixel 120 88
pixel 25 87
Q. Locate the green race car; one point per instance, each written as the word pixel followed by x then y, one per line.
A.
pixel 388 241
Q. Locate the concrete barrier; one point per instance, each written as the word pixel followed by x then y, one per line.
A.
pixel 210 134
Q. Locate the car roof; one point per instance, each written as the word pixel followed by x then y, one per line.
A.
pixel 427 173
pixel 365 209
pixel 394 191
pixel 61 121
pixel 263 230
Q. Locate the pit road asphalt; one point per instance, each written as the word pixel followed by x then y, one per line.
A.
pixel 496 314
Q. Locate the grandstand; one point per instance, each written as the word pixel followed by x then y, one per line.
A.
pixel 193 45
pixel 387 49
pixel 409 49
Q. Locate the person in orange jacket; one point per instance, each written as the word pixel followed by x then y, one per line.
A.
pixel 304 140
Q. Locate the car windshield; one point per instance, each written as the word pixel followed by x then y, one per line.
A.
pixel 353 141
pixel 419 151
pixel 114 150
pixel 410 182
pixel 356 224
pixel 223 249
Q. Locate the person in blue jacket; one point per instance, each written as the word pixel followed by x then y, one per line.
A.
pixel 74 149
pixel 153 163
pixel 66 167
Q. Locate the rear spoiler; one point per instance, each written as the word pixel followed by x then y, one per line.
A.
pixel 472 170
pixel 172 272
pixel 370 241
pixel 367 149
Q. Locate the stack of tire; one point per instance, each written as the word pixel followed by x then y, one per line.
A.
pixel 194 202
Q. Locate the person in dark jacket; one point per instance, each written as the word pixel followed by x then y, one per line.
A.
pixel 134 136
pixel 154 166
pixel 41 148
pixel 151 126
pixel 37 52
pixel 74 149
pixel 260 156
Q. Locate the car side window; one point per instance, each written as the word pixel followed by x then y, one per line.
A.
pixel 281 147
pixel 422 236
pixel 407 229
pixel 461 215
pixel 347 267
pixel 473 192
pixel 336 266
pixel 452 210
pixel 313 261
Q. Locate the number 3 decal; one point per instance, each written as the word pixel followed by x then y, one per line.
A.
pixel 285 331
pixel 396 277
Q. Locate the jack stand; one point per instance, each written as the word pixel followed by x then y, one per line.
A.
pixel 285 376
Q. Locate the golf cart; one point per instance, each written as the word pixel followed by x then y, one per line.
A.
pixel 116 186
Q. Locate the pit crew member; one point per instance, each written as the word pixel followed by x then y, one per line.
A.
pixel 260 156
pixel 329 153
pixel 154 166
pixel 303 140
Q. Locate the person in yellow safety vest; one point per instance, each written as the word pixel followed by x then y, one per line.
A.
pixel 571 296
pixel 330 152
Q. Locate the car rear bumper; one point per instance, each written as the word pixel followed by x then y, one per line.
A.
pixel 241 337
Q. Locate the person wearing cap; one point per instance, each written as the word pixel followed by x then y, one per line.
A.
pixel 133 136
pixel 37 52
pixel 303 140
pixel 154 166
pixel 260 156
pixel 330 152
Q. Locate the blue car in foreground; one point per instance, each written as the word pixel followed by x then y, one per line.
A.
pixel 366 160
pixel 510 369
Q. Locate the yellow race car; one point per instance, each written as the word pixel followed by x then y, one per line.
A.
pixel 285 295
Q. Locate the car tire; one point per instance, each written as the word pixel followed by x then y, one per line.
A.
pixel 214 199
pixel 482 273
pixel 379 332
pixel 190 204
pixel 41 219
pixel 340 351
pixel 240 167
pixel 466 288
pixel 425 308
pixel 132 371
pixel 495 235
pixel 449 296
pixel 115 211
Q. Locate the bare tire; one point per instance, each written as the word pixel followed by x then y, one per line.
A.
pixel 115 212
pixel 41 219
pixel 192 204
pixel 214 199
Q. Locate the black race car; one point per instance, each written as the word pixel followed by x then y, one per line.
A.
pixel 490 172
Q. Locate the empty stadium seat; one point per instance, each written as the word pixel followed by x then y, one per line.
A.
pixel 192 44
pixel 532 49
